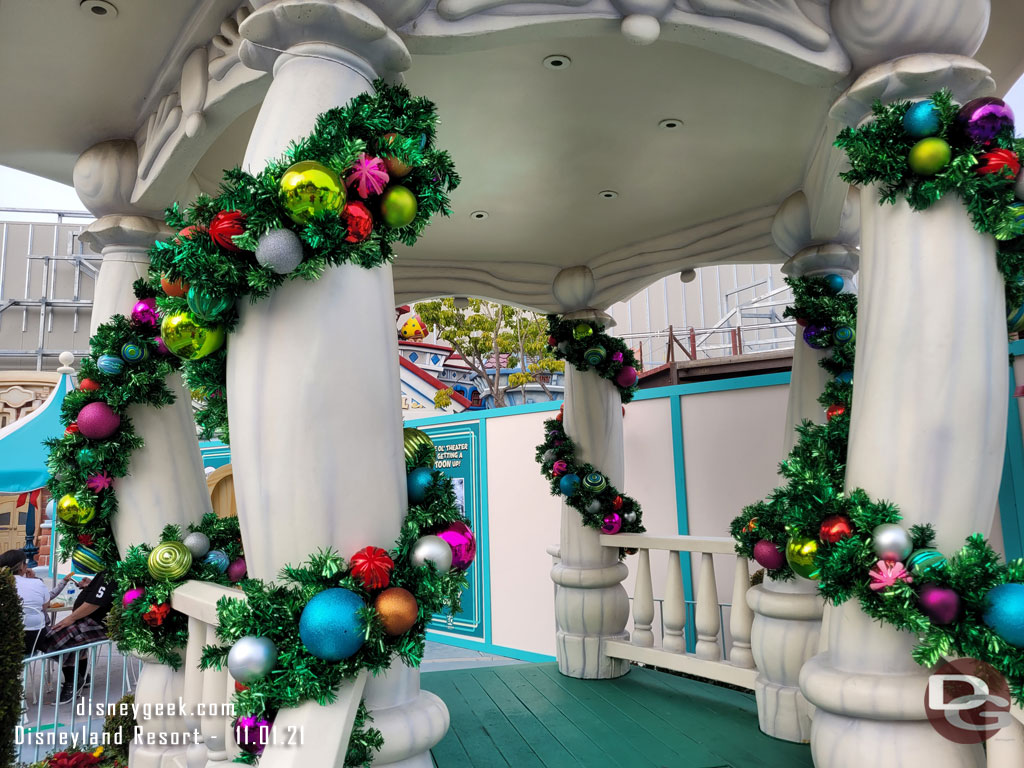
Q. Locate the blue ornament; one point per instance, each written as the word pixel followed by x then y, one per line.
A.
pixel 924 561
pixel 110 364
pixel 418 481
pixel 843 334
pixel 922 120
pixel 595 355
pixel 846 377
pixel 133 353
pixel 217 559
pixel 568 484
pixel 423 141
pixel 834 283
pixel 330 626
pixel 1004 614
pixel 1015 319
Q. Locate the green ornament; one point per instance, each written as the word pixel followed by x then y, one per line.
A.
pixel 582 331
pixel 207 307
pixel 169 560
pixel 925 561
pixel 398 206
pixel 929 156
pixel 800 554
pixel 86 457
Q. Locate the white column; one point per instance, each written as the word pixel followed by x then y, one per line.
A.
pixel 165 483
pixel 591 606
pixel 317 450
pixel 927 431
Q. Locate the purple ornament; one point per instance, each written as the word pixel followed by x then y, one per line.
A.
pixel 559 468
pixel 99 482
pixel 981 120
pixel 161 348
pixel 97 421
pixel 132 595
pixel 252 733
pixel 612 523
pixel 145 316
pixel 768 555
pixel 617 357
pixel 626 377
pixel 939 604
pixel 817 336
pixel 463 543
pixel 236 571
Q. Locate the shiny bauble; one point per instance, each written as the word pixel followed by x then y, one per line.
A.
pixel 582 331
pixel 595 482
pixel 768 555
pixel 225 226
pixel 145 315
pixel 818 337
pixel 396 168
pixel 835 528
pixel 922 119
pixel 169 560
pixel 418 482
pixel 1002 161
pixel 843 334
pixel 88 385
pixel 413 439
pixel 372 566
pixel 174 288
pixel 330 626
pixel 1004 613
pixel 398 206
pixel 548 456
pixel 940 604
pixel 629 517
pixel 110 364
pixel 198 544
pixel 161 348
pixel 236 570
pixel 205 306
pixel 86 560
pixel 252 733
pixel 595 355
pixel 627 377
pixel 845 377
pixel 71 429
pixel 431 549
pixel 86 458
pixel 215 558
pixel 594 506
pixel 462 542
pixel 612 523
pixel 835 410
pixel 308 189
pixel 131 595
pixel 926 562
pixel 567 484
pixel 97 421
pixel 73 513
pixel 981 120
pixel 617 503
pixel 397 609
pixel 834 283
pixel 929 156
pixel 134 353
pixel 252 658
pixel 189 340
pixel 891 542
pixel 358 221
pixel 800 554
pixel 280 250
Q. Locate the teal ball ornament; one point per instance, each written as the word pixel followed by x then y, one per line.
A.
pixel 110 364
pixel 419 481
pixel 568 484
pixel 205 306
pixel 845 377
pixel 217 559
pixel 1004 613
pixel 843 334
pixel 925 561
pixel 134 353
pixel 922 120
pixel 595 355
pixel 834 283
pixel 86 457
pixel 595 482
pixel 330 626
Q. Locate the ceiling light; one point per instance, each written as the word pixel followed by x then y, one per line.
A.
pixel 98 8
pixel 557 62
pixel 608 194
pixel 478 215
pixel 670 124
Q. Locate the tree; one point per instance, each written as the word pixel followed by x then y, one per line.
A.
pixel 484 333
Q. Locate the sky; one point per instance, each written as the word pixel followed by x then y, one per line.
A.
pixel 23 190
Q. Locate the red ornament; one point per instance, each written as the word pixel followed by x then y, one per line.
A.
pixel 801 322
pixel 835 528
pixel 1001 161
pixel 239 687
pixel 559 416
pixel 73 760
pixel 72 428
pixel 372 566
pixel 358 221
pixel 176 288
pixel 88 385
pixel 552 341
pixel 226 225
pixel 617 503
pixel 835 410
pixel 156 614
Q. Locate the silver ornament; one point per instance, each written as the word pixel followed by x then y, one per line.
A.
pixel 251 659
pixel 279 249
pixel 198 544
pixel 629 517
pixel 891 542
pixel 432 549
pixel 548 456
pixel 594 507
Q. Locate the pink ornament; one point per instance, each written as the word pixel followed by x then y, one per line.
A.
pixel 626 377
pixel 368 174
pixel 132 595
pixel 939 604
pixel 612 523
pixel 559 468
pixel 252 733
pixel 161 348
pixel 886 573
pixel 236 571
pixel 97 421
pixel 144 315
pixel 617 357
pixel 99 482
pixel 768 555
pixel 463 543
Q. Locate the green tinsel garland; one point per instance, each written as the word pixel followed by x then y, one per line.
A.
pixel 571 340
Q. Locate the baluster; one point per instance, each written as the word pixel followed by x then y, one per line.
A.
pixel 741 618
pixel 1006 748
pixel 673 610
pixel 643 603
pixel 195 755
pixel 218 738
pixel 708 623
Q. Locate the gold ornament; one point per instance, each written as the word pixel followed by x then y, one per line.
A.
pixel 309 188
pixel 398 610
pixel 800 554
pixel 169 560
pixel 398 206
pixel 72 513
pixel 413 439
pixel 189 340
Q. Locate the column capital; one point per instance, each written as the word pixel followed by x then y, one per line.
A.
pixel 105 175
pixel 574 289
pixel 124 232
pixel 793 234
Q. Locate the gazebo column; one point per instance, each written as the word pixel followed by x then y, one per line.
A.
pixel 591 606
pixel 927 430
pixel 787 614
pixel 317 465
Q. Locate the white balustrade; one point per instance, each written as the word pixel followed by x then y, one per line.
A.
pixel 1006 748
pixel 707 661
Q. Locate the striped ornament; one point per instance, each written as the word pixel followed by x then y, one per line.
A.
pixel 134 353
pixel 86 560
pixel 169 560
pixel 110 364
pixel 413 439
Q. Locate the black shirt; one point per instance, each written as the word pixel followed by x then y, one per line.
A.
pixel 100 592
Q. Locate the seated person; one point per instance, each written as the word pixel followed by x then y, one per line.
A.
pixel 85 625
pixel 35 597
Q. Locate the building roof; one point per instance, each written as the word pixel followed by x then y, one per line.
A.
pixel 433 381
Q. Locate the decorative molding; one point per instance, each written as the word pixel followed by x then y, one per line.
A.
pixel 224 47
pixel 784 16
pixel 456 10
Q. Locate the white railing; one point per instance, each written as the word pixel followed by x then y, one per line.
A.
pixel 708 660
pixel 1006 748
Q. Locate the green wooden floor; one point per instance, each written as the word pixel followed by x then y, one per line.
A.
pixel 530 716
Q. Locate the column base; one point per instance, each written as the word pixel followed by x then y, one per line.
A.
pixel 782 711
pixel 584 656
pixel 160 685
pixel 411 721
